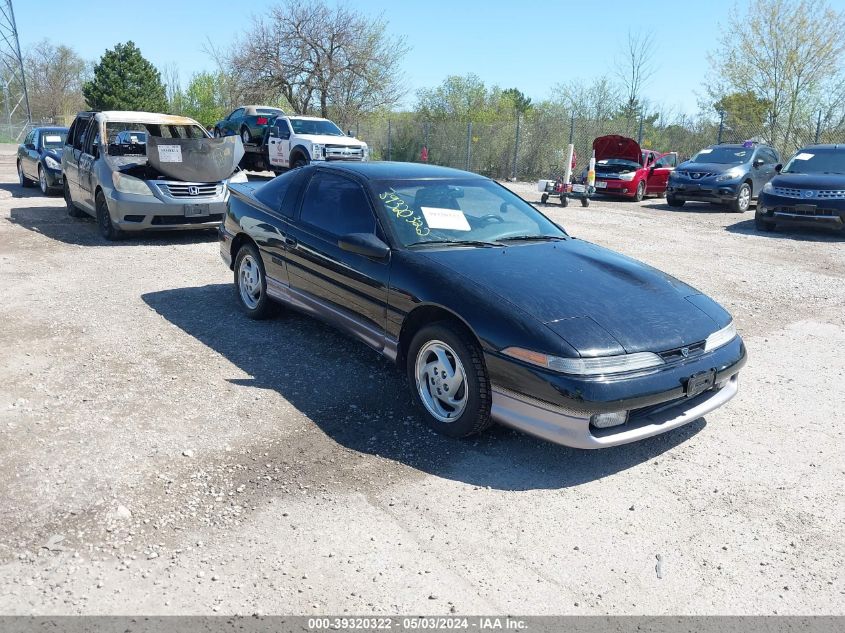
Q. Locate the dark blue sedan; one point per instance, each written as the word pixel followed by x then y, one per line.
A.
pixel 40 158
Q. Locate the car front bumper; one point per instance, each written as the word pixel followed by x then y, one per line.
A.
pixel 806 212
pixel 627 188
pixel 569 428
pixel 54 177
pixel 558 408
pixel 132 212
pixel 692 191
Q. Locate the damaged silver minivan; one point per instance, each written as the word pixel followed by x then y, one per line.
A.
pixel 137 171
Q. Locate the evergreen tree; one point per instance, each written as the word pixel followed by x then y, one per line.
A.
pixel 125 80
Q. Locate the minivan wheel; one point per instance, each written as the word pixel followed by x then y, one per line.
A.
pixel 640 193
pixel 743 199
pixel 107 229
pixel 251 284
pixel 449 380
pixel 24 181
pixel 72 210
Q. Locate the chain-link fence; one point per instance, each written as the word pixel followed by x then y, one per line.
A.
pixel 534 145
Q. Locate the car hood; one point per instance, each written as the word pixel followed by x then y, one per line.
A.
pixel 195 159
pixel 809 181
pixel 55 154
pixel 615 146
pixel 706 168
pixel 328 139
pixel 599 301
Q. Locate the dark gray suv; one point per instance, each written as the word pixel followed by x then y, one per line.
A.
pixel 728 174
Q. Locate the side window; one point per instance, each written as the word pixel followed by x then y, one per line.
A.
pixel 280 193
pixel 669 160
pixel 82 126
pixel 71 131
pixel 768 156
pixel 29 138
pixel 237 113
pixel 283 128
pixel 337 206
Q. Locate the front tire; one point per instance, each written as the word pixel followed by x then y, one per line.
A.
pixel 585 202
pixel 72 210
pixel 449 380
pixel 104 222
pixel 23 180
pixel 544 198
pixel 674 202
pixel 42 181
pixel 299 161
pixel 743 199
pixel 764 225
pixel 251 284
pixel 640 193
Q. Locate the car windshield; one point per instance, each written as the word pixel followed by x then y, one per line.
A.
pixel 475 212
pixel 53 140
pixel 813 161
pixel 723 155
pixel 315 126
pixel 120 135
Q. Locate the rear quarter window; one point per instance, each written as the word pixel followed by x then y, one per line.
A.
pixel 281 193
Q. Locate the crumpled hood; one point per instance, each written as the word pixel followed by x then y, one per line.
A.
pixel 195 159
pixel 599 301
pixel 327 139
pixel 615 146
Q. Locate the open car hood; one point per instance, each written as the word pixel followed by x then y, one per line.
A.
pixel 195 159
pixel 615 146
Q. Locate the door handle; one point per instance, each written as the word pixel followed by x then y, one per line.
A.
pixel 289 241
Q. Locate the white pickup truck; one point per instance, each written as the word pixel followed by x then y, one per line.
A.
pixel 294 141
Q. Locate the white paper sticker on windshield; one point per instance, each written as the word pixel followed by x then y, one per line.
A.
pixel 445 219
pixel 52 138
pixel 170 153
pixel 705 151
pixel 804 156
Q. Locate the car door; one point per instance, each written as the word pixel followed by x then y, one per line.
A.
pixel 30 160
pixel 658 176
pixel 73 152
pixel 278 144
pixel 232 122
pixel 89 154
pixel 765 161
pixel 343 287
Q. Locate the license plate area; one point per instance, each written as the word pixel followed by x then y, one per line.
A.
pixel 601 184
pixel 195 210
pixel 700 382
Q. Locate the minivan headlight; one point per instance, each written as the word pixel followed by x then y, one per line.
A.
pixel 587 366
pixel 720 337
pixel 129 184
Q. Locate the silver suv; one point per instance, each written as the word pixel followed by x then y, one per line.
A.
pixel 168 173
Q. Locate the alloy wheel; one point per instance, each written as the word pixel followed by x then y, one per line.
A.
pixel 441 381
pixel 744 199
pixel 249 282
pixel 42 181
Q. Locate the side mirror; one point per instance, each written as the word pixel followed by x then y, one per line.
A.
pixel 757 162
pixel 778 167
pixel 365 244
pixel 29 146
pixel 273 132
pixel 349 133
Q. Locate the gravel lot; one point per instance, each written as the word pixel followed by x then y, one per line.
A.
pixel 159 453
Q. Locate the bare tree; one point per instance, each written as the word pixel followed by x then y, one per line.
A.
pixel 172 80
pixel 788 53
pixel 54 76
pixel 635 66
pixel 329 60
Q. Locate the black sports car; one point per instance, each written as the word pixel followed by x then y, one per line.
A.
pixel 40 158
pixel 493 310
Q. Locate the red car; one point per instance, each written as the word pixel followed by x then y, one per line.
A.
pixel 624 169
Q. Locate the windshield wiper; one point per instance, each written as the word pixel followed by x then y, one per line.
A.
pixel 457 242
pixel 539 238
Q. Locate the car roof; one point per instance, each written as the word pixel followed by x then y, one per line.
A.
pixel 824 147
pixel 387 170
pixel 51 128
pixel 253 109
pixel 130 116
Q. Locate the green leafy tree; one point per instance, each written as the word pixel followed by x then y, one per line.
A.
pixel 519 102
pixel 125 80
pixel 204 98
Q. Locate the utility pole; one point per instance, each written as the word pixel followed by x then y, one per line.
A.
pixel 11 59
